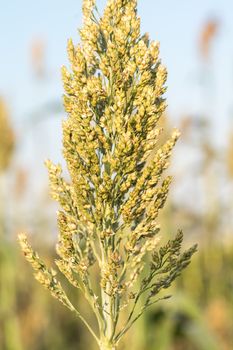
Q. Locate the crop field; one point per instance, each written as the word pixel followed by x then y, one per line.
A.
pixel 116 175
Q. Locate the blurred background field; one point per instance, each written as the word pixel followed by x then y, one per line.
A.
pixel 197 48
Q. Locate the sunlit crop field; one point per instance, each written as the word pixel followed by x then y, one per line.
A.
pixel 196 311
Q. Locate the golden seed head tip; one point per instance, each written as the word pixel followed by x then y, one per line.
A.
pixel 176 133
pixel 22 237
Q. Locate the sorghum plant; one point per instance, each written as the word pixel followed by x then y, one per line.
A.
pixel 108 221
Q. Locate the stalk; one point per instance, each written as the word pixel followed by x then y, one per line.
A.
pixel 107 332
pixel 108 317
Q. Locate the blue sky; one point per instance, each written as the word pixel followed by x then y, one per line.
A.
pixel 176 24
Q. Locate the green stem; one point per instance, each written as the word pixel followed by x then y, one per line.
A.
pixel 108 316
pixel 107 346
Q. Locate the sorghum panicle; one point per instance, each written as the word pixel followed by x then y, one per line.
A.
pixel 108 217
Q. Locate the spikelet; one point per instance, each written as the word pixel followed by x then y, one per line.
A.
pixel 108 221
pixel 45 276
